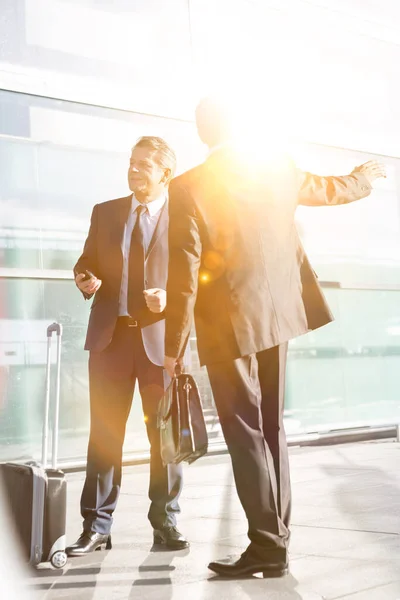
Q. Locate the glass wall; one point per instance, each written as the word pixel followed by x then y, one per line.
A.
pixel 344 375
pixel 57 159
pixel 126 53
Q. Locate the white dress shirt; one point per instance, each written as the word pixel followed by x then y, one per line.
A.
pixel 149 218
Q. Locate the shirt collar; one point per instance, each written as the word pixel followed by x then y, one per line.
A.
pixel 221 146
pixel 153 207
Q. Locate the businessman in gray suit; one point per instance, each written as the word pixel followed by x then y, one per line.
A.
pixel 237 263
pixel 124 265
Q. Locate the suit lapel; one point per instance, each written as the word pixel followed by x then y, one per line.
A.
pixel 116 229
pixel 161 226
pixel 122 217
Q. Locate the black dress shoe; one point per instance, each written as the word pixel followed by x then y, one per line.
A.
pixel 248 565
pixel 89 541
pixel 171 537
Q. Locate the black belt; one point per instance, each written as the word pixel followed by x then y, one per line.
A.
pixel 128 321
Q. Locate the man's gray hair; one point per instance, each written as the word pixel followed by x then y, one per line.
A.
pixel 165 156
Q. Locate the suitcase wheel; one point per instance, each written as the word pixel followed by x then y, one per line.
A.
pixel 59 559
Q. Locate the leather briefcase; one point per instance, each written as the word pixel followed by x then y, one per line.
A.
pixel 183 434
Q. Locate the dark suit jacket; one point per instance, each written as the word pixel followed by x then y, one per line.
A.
pixel 102 255
pixel 237 260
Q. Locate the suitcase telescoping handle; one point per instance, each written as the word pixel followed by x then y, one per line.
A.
pixel 53 328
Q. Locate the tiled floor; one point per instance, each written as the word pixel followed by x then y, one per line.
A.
pixel 345 534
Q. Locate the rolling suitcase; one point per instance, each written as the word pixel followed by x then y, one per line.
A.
pixel 37 494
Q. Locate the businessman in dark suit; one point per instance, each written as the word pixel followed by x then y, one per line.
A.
pixel 124 263
pixel 236 261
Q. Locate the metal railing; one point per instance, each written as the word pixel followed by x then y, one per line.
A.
pixel 325 435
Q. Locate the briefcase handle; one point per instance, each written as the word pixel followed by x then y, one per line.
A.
pixel 187 386
pixel 179 370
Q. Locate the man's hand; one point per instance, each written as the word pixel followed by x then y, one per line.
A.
pixel 371 170
pixel 170 365
pixel 90 286
pixel 156 299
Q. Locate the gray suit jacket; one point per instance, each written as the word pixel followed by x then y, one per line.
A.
pixel 236 259
pixel 102 255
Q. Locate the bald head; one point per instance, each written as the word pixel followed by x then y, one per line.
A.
pixel 213 122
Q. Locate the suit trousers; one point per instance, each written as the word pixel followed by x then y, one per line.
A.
pixel 249 395
pixel 112 377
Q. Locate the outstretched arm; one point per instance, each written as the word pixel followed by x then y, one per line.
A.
pixel 331 191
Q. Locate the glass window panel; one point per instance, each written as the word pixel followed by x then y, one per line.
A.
pixel 346 374
pixel 29 307
pixel 109 48
pixel 343 375
pixel 75 156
